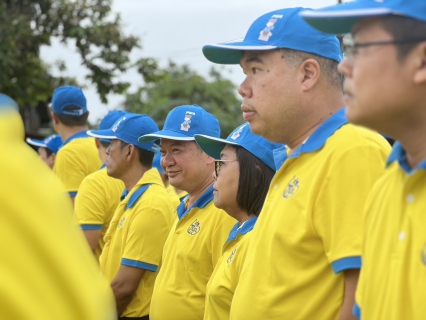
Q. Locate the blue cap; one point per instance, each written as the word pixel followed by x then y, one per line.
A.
pixel 66 97
pixel 340 19
pixel 156 163
pixel 109 120
pixel 277 29
pixel 183 122
pixel 243 137
pixel 52 142
pixel 128 129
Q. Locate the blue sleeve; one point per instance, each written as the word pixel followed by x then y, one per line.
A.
pixel 357 311
pixel 139 264
pixel 346 263
pixel 72 194
pixel 91 227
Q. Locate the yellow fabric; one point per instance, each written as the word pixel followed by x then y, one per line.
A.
pixel 138 234
pixel 191 252
pixel 47 270
pixel 96 201
pixel 393 274
pixel 311 219
pixel 224 280
pixel 76 160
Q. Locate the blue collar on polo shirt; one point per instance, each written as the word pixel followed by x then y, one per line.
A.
pixel 200 203
pixel 317 139
pixel 398 154
pixel 241 228
pixel 78 135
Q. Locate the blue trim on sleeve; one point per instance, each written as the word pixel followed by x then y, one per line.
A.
pixel 346 263
pixel 201 202
pixel 78 135
pixel 241 228
pixel 136 195
pixel 139 264
pixel 91 227
pixel 356 311
pixel 72 193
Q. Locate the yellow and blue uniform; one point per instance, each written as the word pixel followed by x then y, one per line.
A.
pixel 96 202
pixel 191 252
pixel 136 237
pixel 310 228
pixel 393 274
pixel 76 159
pixel 222 284
pixel 40 244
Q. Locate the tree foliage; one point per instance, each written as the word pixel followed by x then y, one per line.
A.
pixel 179 85
pixel 96 32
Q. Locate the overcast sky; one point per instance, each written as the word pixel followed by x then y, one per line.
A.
pixel 176 30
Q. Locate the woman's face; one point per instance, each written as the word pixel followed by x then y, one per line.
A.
pixel 226 182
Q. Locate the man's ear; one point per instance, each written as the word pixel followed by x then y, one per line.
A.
pixel 55 118
pixel 131 152
pixel 98 143
pixel 311 73
pixel 420 72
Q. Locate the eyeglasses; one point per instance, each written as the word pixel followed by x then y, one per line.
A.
pixel 218 164
pixel 351 49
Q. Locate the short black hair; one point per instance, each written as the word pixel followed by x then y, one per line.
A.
pixel 71 121
pixel 145 157
pixel 400 27
pixel 253 184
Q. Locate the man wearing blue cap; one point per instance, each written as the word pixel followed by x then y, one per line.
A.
pixel 385 87
pixel 304 258
pixel 47 148
pixel 99 194
pixel 136 235
pixel 78 156
pixel 195 242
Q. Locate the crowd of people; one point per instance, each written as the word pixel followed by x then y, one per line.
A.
pixel 304 211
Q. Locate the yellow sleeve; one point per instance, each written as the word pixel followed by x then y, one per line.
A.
pixel 148 231
pixel 338 210
pixel 69 169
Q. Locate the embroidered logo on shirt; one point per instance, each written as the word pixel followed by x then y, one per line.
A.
pixel 231 257
pixel 194 228
pixel 424 255
pixel 292 188
pixel 185 125
pixel 121 223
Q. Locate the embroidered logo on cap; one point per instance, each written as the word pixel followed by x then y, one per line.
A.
pixel 194 228
pixel 114 128
pixel 237 133
pixel 266 33
pixel 185 125
pixel 292 188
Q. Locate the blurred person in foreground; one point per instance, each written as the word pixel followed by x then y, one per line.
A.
pixel 47 148
pixel 244 169
pixel 47 270
pixel 99 194
pixel 385 89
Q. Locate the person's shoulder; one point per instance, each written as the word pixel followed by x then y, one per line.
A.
pixel 351 135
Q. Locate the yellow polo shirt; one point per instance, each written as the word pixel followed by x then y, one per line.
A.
pixel 47 270
pixel 310 228
pixel 76 159
pixel 392 284
pixel 222 284
pixel 191 252
pixel 96 201
pixel 136 237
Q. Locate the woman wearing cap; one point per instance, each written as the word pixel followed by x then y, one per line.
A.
pixel 243 172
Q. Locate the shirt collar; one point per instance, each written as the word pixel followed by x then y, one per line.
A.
pixel 317 139
pixel 241 228
pixel 78 135
pixel 398 154
pixel 149 177
pixel 200 203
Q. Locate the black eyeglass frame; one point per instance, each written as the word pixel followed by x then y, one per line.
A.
pixel 218 164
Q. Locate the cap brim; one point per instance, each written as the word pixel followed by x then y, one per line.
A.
pixel 37 143
pixel 212 146
pixel 340 19
pixel 102 134
pixel 165 134
pixel 231 52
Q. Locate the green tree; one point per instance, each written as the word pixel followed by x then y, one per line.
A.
pixel 179 85
pixel 27 25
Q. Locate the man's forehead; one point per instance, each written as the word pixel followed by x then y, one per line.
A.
pixel 173 143
pixel 364 25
